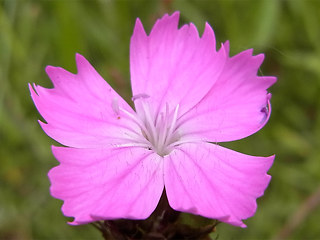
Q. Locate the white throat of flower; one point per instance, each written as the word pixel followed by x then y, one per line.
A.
pixel 159 131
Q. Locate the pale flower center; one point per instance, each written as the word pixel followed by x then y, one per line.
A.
pixel 158 131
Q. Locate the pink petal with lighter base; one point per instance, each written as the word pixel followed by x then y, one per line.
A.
pixel 117 161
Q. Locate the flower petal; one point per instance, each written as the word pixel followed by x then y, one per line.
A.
pixel 82 110
pixel 215 182
pixel 236 106
pixel 109 183
pixel 174 66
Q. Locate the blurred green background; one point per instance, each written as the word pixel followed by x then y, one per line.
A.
pixel 34 34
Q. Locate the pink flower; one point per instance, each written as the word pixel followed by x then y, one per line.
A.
pixel 187 97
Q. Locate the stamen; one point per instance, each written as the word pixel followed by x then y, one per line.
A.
pixel 162 131
pixel 149 122
pixel 115 106
pixel 134 145
pixel 135 118
pixel 173 124
pixel 159 130
pixel 184 140
pixel 140 95
pixel 137 137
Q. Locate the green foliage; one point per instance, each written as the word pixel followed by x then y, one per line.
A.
pixel 34 34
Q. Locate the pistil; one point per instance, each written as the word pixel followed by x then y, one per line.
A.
pixel 159 131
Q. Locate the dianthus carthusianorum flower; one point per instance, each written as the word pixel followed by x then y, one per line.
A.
pixel 187 97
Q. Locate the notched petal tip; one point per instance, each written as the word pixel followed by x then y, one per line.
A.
pixel 194 31
pixel 272 80
pixel 226 47
pixel 174 17
pixel 74 223
pixel 234 222
pixel 258 58
pixel 77 222
pixel 208 35
pixel 58 75
pixel 81 62
pixel 270 160
pixel 56 151
pixel 242 225
pixel 169 22
pixel 43 125
pixel 266 110
pixel 138 30
pixel 32 88
pixel 50 69
pixel 176 14
pixel 79 56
